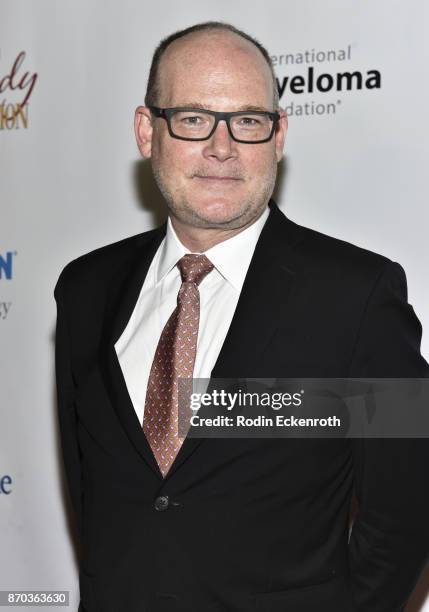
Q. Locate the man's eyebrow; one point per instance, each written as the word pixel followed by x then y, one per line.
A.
pixel 251 107
pixel 244 107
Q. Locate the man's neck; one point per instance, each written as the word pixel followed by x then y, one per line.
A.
pixel 199 240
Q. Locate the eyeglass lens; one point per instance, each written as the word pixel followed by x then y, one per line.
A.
pixel 198 124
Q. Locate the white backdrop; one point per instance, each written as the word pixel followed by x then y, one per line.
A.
pixel 71 181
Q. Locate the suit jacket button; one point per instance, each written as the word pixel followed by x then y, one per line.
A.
pixel 161 502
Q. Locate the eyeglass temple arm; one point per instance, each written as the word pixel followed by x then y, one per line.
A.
pixel 158 112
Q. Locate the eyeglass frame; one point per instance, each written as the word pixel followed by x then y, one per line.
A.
pixel 166 113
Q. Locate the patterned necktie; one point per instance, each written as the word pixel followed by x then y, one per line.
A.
pixel 174 358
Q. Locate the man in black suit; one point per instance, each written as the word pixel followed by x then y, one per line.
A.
pixel 231 525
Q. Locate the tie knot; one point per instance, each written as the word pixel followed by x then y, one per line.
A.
pixel 194 267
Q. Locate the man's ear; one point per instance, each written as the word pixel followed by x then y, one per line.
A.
pixel 280 134
pixel 143 130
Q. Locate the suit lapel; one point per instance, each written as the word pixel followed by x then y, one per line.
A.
pixel 260 308
pixel 263 299
pixel 120 305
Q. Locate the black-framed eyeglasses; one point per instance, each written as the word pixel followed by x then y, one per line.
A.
pixel 250 127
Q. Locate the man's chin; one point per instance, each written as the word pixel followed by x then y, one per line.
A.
pixel 216 214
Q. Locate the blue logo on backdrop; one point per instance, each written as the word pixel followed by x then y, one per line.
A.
pixel 6 264
pixel 5 484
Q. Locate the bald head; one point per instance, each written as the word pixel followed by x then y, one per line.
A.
pixel 211 41
pixel 213 60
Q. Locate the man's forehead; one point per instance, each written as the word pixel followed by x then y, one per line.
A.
pixel 213 47
pixel 207 63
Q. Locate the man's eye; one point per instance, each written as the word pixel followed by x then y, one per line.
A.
pixel 192 120
pixel 249 122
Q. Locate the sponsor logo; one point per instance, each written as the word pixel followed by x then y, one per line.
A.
pixel 16 87
pixel 307 76
pixel 6 273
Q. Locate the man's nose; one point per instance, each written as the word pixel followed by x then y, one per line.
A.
pixel 220 144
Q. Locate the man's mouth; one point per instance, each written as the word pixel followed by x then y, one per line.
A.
pixel 218 178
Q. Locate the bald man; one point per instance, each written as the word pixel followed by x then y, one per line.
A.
pixel 230 287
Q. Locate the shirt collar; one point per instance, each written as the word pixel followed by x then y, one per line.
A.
pixel 231 257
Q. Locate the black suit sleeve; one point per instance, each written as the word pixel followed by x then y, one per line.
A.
pixel 66 408
pixel 389 542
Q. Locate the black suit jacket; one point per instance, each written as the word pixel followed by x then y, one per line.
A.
pixel 250 524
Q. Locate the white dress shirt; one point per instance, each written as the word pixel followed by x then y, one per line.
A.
pixel 219 293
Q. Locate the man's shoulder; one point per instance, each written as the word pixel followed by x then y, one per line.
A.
pixel 328 254
pixel 316 250
pixel 99 265
pixel 331 268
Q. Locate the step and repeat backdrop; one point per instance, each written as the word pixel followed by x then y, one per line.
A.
pixel 352 77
